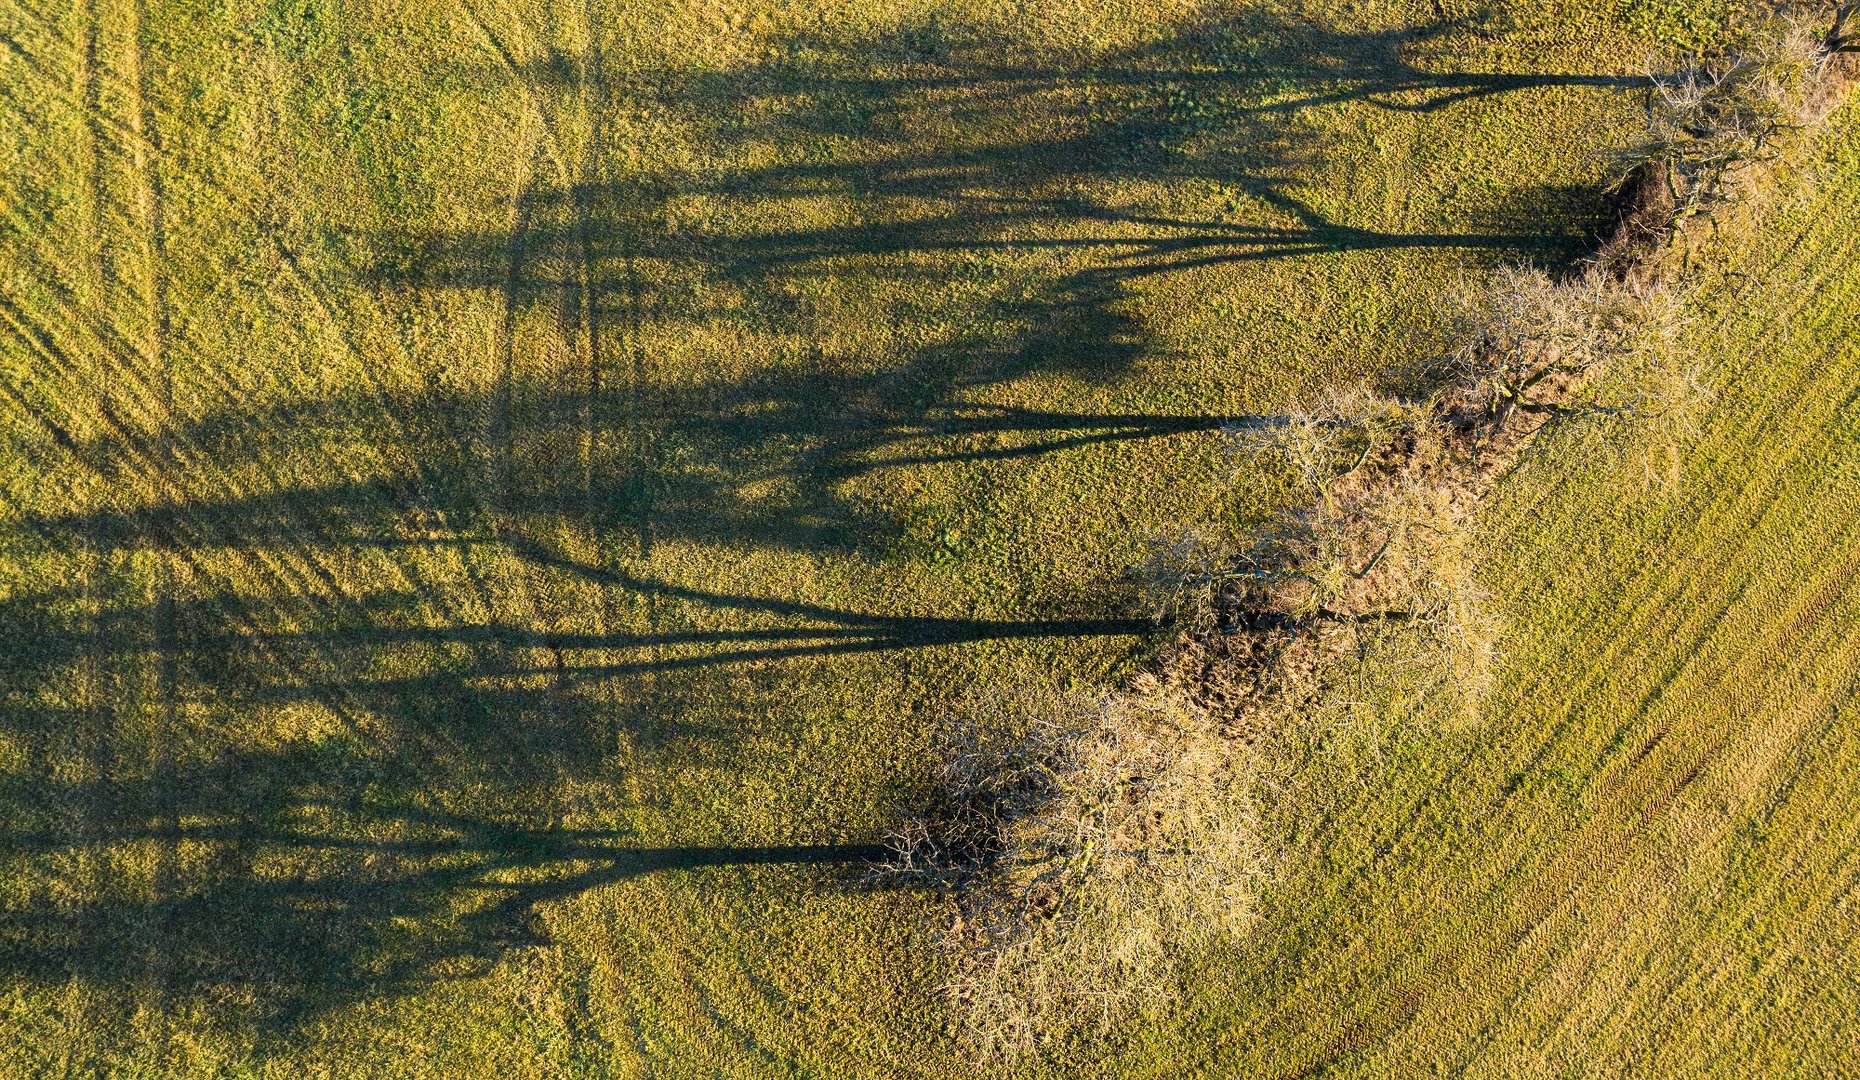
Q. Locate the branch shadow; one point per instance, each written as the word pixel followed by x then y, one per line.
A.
pixel 956 151
pixel 190 825
pixel 179 855
pixel 952 164
pixel 188 845
pixel 271 903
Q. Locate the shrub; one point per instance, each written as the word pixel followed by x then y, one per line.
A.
pixel 1364 472
pixel 1525 339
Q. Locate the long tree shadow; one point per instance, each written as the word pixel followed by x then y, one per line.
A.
pixel 207 856
pixel 942 167
pixel 762 461
pixel 293 736
pixel 261 886
pixel 957 151
pixel 181 855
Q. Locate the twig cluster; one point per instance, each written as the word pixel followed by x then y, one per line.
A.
pixel 1083 842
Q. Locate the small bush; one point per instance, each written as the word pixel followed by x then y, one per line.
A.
pixel 1362 470
pixel 1180 577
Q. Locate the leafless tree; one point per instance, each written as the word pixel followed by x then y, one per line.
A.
pixel 1524 337
pixel 1709 119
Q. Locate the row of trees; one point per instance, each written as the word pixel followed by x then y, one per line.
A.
pixel 1086 842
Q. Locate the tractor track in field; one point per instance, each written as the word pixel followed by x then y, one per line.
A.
pixel 578 309
pixel 498 416
pixel 588 306
pixel 532 97
pixel 143 141
pixel 147 155
pixel 579 314
pixel 1550 894
pixel 120 362
pixel 97 740
pixel 137 141
pixel 1553 889
pixel 168 462
pixel 1623 645
pixel 582 313
pixel 501 419
pixel 595 177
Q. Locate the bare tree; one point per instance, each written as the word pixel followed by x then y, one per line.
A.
pixel 1091 840
pixel 1709 119
pixel 1525 338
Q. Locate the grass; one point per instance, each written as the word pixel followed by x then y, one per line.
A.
pixel 1640 861
pixel 495 500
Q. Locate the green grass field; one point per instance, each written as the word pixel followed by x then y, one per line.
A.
pixel 496 498
pixel 1641 860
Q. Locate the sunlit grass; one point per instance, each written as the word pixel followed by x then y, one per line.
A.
pixel 496 499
